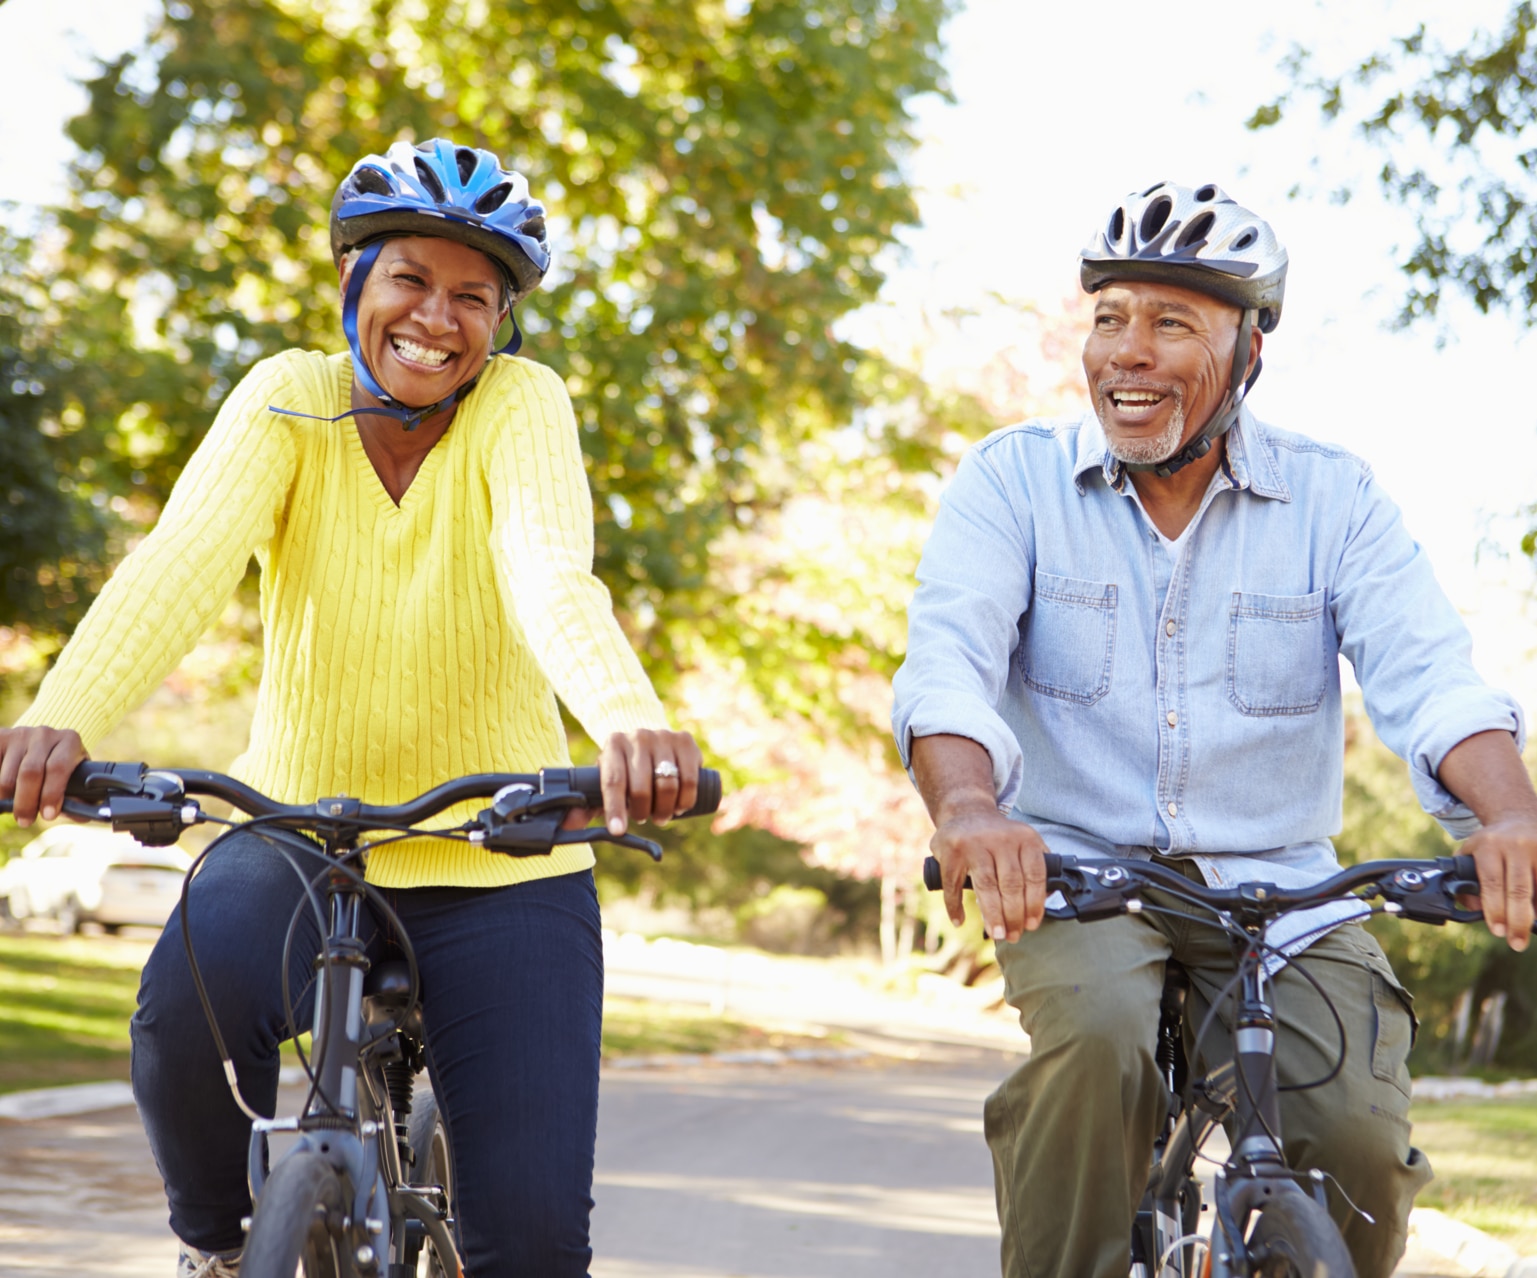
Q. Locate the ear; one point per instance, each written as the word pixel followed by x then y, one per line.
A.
pixel 1256 342
pixel 344 269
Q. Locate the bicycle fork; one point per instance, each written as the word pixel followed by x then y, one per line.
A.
pixel 330 1125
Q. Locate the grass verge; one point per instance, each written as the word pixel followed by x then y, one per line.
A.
pixel 1485 1158
pixel 65 1004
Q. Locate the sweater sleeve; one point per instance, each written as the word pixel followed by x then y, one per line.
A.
pixel 174 584
pixel 541 514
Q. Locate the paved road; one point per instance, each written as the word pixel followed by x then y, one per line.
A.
pixel 833 1171
pixel 846 1170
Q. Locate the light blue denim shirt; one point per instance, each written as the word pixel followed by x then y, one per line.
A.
pixel 1138 695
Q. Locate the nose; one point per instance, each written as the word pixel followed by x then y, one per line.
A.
pixel 1133 347
pixel 434 312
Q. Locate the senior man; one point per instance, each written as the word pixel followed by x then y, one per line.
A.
pixel 1125 642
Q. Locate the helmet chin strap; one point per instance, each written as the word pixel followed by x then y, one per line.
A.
pixel 408 417
pixel 1227 411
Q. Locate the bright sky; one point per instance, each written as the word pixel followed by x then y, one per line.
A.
pixel 1061 110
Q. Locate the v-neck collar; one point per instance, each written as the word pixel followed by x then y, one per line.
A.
pixel 369 477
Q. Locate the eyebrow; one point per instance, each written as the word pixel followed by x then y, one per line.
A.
pixel 1177 308
pixel 424 269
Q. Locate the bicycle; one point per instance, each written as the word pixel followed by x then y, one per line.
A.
pixel 1266 1225
pixel 365 1189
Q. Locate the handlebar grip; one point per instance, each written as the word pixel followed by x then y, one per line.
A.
pixel 1464 867
pixel 91 779
pixel 933 877
pixel 588 783
pixel 707 800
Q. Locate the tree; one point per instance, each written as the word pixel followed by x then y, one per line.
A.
pixel 52 525
pixel 1452 970
pixel 723 179
pixel 1457 129
pixel 1473 189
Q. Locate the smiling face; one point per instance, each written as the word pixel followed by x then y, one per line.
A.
pixel 427 316
pixel 1158 360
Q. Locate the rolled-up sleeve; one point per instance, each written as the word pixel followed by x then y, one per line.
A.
pixel 974 583
pixel 1412 654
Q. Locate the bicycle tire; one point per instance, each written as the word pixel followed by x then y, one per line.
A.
pixel 1296 1238
pixel 434 1166
pixel 297 1223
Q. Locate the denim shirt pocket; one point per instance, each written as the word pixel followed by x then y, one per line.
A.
pixel 1067 639
pixel 1277 655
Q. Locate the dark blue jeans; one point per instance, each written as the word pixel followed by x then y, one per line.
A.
pixel 512 989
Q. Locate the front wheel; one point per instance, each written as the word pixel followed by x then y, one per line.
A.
pixel 1296 1238
pixel 297 1227
pixel 434 1166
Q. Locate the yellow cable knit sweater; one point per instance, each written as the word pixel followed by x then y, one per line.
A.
pixel 404 646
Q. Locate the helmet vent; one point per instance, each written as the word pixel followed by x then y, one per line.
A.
pixel 533 228
pixel 494 198
pixel 1151 189
pixel 1197 231
pixel 466 160
pixel 1246 238
pixel 1206 194
pixel 1153 219
pixel 431 181
pixel 372 182
pixel 1117 225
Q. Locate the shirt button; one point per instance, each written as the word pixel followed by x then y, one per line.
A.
pixel 1168 628
pixel 1172 718
pixel 1173 809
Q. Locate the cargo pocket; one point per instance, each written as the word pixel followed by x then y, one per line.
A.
pixel 1067 638
pixel 1395 1031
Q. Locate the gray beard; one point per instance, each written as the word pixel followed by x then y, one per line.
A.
pixel 1148 451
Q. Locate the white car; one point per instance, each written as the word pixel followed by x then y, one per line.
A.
pixel 77 874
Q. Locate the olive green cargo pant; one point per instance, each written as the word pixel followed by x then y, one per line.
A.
pixel 1072 1130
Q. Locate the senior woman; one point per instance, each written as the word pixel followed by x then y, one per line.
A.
pixel 421 518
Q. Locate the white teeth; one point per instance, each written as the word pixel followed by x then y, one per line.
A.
pixel 417 353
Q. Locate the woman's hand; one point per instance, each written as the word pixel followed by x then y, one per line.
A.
pixel 650 775
pixel 35 764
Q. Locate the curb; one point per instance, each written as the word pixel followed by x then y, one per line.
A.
pixel 757 1056
pixel 1437 1088
pixel 61 1102
pixel 1474 1252
pixel 87 1098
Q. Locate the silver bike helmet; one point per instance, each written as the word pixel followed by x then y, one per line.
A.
pixel 1197 238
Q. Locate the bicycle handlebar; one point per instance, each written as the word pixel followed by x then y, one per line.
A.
pixel 1425 890
pixel 525 818
pixel 95 780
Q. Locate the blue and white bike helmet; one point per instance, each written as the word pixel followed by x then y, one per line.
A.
pixel 1197 238
pixel 438 189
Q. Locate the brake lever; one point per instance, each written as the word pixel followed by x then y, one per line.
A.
pixel 1432 897
pixel 601 834
pixel 1091 893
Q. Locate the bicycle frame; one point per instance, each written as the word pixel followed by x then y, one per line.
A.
pixel 1245 1088
pixel 1256 1178
pixel 350 1125
pixel 349 1118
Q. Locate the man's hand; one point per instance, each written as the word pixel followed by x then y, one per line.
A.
pixel 1506 855
pixel 35 764
pixel 652 775
pixel 1487 774
pixel 1005 861
pixel 1003 857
